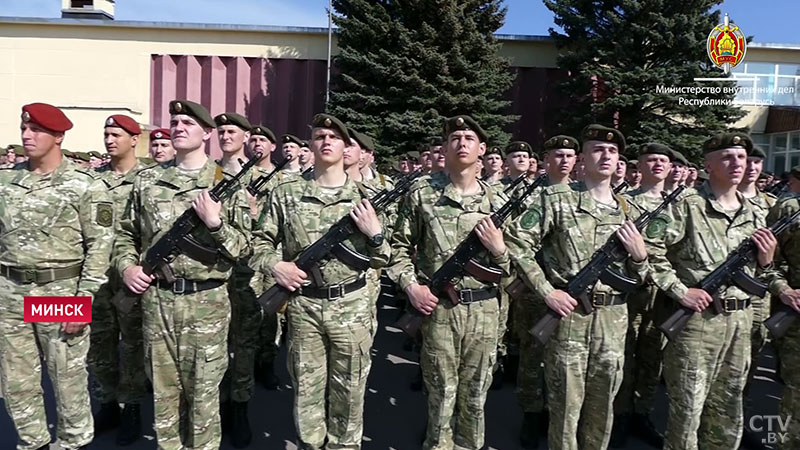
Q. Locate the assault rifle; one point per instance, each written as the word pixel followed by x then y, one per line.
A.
pixel 255 186
pixel 463 261
pixel 599 268
pixel 332 242
pixel 732 272
pixel 778 188
pixel 178 238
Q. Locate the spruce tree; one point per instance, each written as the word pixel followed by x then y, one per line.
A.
pixel 617 53
pixel 405 66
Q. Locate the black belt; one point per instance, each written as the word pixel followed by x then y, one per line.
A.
pixel 606 299
pixel 733 304
pixel 39 276
pixel 467 296
pixel 334 291
pixel 184 286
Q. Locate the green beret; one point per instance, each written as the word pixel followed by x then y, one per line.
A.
pixel 363 140
pixel 435 141
pixel 403 157
pixel 763 176
pixel 82 156
pixel 493 151
pixel 728 140
pixel 757 152
pixel 147 161
pixel 519 146
pixel 654 148
pixel 561 141
pixel 328 121
pixel 66 152
pixel 633 165
pixel 305 144
pixel 595 132
pixel 677 157
pixel 702 175
pixel 414 155
pixel 795 172
pixel 623 158
pixel 20 150
pixel 458 123
pixel 263 131
pixel 768 173
pixel 192 109
pixel 291 139
pixel 95 154
pixel 233 119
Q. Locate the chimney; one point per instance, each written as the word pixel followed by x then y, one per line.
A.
pixel 87 9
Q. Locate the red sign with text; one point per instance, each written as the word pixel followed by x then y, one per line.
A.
pixel 58 309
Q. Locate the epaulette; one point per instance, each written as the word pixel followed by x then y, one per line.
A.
pixel 91 173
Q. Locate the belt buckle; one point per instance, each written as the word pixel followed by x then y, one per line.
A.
pixel 336 291
pixel 179 286
pixel 29 276
pixel 466 296
pixel 599 299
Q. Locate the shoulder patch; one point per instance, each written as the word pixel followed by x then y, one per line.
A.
pixel 530 218
pixel 105 214
pixel 657 227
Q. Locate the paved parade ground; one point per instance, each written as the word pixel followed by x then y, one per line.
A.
pixel 395 415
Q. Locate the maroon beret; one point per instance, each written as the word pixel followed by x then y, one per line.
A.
pixel 46 116
pixel 159 133
pixel 124 122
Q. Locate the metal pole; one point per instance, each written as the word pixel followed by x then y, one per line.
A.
pixel 330 38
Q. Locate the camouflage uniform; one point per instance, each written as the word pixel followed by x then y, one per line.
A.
pixel 584 357
pixel 329 339
pixel 459 344
pixel 706 366
pixel 788 257
pixel 63 220
pixel 185 333
pixel 119 379
pixel 644 343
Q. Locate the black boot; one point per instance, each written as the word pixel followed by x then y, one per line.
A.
pixel 643 428
pixel 107 418
pixel 269 380
pixel 751 440
pixel 131 427
pixel 241 434
pixel 619 434
pixel 416 383
pixel 529 433
pixel 225 416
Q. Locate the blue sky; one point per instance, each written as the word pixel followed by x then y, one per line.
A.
pixel 766 20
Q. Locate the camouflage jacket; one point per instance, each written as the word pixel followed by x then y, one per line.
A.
pixel 435 218
pixel 59 220
pixel 787 257
pixel 567 225
pixel 298 214
pixel 761 204
pixel 698 240
pixel 159 196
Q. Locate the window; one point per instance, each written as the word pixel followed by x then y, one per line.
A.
pixel 795 139
pixel 80 4
pixel 780 141
pixel 779 164
pixel 788 69
pixel 794 160
pixel 760 85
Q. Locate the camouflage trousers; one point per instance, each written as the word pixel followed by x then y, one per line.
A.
pixel 644 347
pixel 269 331
pixel 329 360
pixel 459 349
pixel 187 341
pixel 503 337
pixel 530 376
pixel 246 315
pixel 583 368
pixel 759 335
pixel 705 368
pixel 789 350
pixel 22 348
pixel 119 379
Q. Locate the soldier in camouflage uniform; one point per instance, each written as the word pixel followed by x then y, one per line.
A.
pixel 459 342
pixel 786 287
pixel 56 227
pixel 185 322
pixel 761 203
pixel 646 309
pixel 116 354
pixel 161 150
pixel 560 153
pixel 290 148
pixel 706 365
pixel 584 357
pixel 331 322
pixel 518 160
pixel 493 166
pixel 678 173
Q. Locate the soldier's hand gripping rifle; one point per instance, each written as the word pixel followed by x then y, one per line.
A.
pixel 274 298
pixel 178 238
pixel 731 272
pixel 599 268
pixel 257 184
pixel 463 261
